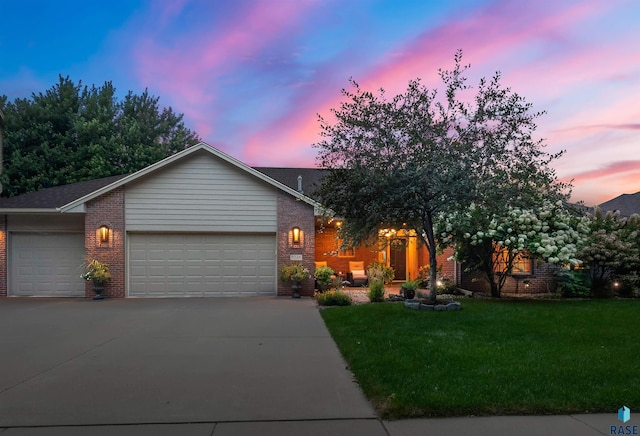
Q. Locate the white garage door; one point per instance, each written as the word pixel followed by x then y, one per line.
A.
pixel 201 265
pixel 46 264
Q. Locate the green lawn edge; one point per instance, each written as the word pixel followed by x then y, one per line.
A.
pixel 493 357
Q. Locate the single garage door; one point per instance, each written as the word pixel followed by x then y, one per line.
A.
pixel 201 265
pixel 46 264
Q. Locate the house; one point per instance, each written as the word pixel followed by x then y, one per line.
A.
pixel 198 223
pixel 626 204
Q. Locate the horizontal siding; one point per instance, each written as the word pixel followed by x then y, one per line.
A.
pixel 45 223
pixel 201 194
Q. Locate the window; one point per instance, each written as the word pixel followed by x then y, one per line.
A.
pixel 521 263
pixel 345 251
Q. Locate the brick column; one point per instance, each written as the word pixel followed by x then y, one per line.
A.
pixel 295 213
pixel 108 210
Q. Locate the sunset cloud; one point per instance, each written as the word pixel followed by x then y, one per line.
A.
pixel 250 76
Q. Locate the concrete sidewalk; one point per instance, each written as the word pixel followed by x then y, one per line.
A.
pixel 218 366
pixel 574 425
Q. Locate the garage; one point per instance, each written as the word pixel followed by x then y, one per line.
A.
pixel 201 264
pixel 46 264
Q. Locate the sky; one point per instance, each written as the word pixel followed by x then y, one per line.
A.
pixel 251 76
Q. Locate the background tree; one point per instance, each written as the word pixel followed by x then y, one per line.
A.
pixel 420 155
pixel 72 133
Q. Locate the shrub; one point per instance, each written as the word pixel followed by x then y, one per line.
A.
pixel 333 297
pixel 424 275
pixel 323 275
pixel 573 283
pixel 380 272
pixel 446 286
pixel 376 291
pixel 629 285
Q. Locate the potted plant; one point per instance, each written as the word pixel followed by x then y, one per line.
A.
pixel 98 273
pixel 408 289
pixel 295 273
pixel 323 275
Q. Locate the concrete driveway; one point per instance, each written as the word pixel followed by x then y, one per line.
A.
pixel 74 362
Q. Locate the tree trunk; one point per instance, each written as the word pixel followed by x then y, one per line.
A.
pixel 430 242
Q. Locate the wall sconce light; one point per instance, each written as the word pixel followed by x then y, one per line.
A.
pixel 104 233
pixel 295 235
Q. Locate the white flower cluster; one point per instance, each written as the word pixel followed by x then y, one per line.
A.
pixel 549 232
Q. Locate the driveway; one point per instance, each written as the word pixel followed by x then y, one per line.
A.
pixel 69 362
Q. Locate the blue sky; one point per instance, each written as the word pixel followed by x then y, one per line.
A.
pixel 251 75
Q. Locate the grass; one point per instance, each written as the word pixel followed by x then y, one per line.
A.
pixel 493 357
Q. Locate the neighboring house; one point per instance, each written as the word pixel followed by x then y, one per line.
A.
pixel 626 204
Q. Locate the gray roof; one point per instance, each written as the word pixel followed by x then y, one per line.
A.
pixel 58 196
pixel 311 178
pixel 626 204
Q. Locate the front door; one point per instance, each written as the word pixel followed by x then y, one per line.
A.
pixel 398 258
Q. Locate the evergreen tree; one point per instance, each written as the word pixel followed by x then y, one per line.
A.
pixel 72 133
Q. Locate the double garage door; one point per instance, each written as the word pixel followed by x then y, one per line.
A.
pixel 201 265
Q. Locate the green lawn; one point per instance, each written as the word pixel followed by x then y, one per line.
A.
pixel 493 357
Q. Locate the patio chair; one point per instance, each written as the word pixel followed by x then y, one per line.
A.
pixel 357 274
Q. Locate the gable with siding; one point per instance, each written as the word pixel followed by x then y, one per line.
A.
pixel 201 193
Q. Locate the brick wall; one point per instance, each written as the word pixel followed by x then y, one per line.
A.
pixel 542 280
pixel 107 210
pixel 448 266
pixel 293 213
pixel 326 250
pixel 3 256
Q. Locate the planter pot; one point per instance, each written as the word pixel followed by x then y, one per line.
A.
pixel 296 287
pixel 409 294
pixel 98 289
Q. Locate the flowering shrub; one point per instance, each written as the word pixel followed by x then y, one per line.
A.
pixel 295 273
pixel 96 272
pixel 549 232
pixel 610 249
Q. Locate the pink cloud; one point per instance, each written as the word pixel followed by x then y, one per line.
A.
pixel 482 35
pixel 610 169
pixel 193 66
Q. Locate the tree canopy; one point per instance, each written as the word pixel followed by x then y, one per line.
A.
pixel 72 133
pixel 610 249
pixel 428 153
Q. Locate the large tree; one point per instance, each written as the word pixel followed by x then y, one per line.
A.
pixel 71 133
pixel 426 153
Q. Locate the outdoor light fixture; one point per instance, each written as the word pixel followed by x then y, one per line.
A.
pixel 296 235
pixel 104 233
